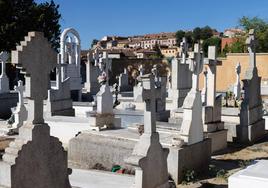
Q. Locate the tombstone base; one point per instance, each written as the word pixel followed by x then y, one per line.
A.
pixel 99 122
pixel 189 157
pixel 35 159
pixel 213 126
pixel 162 116
pixel 149 157
pixel 251 133
pixel 218 140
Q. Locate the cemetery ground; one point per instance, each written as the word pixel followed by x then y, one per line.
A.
pixel 223 164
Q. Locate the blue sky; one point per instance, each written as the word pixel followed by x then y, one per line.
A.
pixel 97 18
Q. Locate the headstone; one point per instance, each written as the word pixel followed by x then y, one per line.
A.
pixel 184 50
pixel 237 85
pixel 252 125
pixel 204 90
pixel 123 81
pixel 104 116
pixel 20 113
pixel 149 157
pixel 4 81
pixel 213 126
pixel 181 78
pixel 70 50
pixel 91 85
pixel 137 89
pixel 192 124
pixel 59 100
pixel 34 147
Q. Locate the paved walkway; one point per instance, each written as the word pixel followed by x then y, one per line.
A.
pixel 99 179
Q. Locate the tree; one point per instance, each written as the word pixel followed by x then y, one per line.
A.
pixel 238 46
pixel 256 23
pixel 18 17
pixel 206 33
pixel 196 34
pixel 213 41
pixel 94 42
pixel 179 35
pixel 260 27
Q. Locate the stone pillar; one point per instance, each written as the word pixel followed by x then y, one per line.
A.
pixel 237 85
pixel 204 90
pixel 4 81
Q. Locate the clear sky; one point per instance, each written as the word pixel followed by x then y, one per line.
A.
pixel 97 18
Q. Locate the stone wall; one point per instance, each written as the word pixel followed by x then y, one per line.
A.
pixel 226 75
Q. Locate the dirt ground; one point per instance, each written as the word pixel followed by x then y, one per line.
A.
pixel 233 159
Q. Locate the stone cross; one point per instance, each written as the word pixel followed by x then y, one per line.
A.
pixel 37 58
pixel 195 62
pixel 58 72
pixel 251 42
pixel 204 90
pixel 3 58
pixel 184 49
pixel 19 89
pixel 88 69
pixel 150 95
pixel 106 62
pixel 141 70
pixel 212 63
pixel 237 87
pixel 155 72
pixel 96 56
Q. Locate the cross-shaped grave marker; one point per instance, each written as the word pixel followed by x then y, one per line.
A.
pixel 195 65
pixel 3 58
pixel 150 95
pixel 252 43
pixel 36 58
pixel 184 49
pixel 212 63
pixel 19 89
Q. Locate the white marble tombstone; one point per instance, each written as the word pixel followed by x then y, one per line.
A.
pixel 4 81
pixel 123 81
pixel 192 124
pixel 204 90
pixel 252 125
pixel 34 147
pixel 20 113
pixel 237 85
pixel 149 157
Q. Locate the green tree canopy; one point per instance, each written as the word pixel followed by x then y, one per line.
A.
pixel 261 29
pixel 18 17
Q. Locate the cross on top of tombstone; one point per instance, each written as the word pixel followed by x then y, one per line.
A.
pixel 251 42
pixel 37 58
pixel 212 57
pixel 3 58
pixel 19 89
pixel 195 62
pixel 184 49
pixel 238 68
pixel 150 95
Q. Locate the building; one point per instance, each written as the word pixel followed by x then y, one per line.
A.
pixel 170 52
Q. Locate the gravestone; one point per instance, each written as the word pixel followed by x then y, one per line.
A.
pixel 181 79
pixel 123 81
pixel 149 157
pixel 20 113
pixel 191 128
pixel 189 149
pixel 104 116
pixel 137 89
pixel 204 90
pixel 70 50
pixel 237 85
pixel 4 81
pixel 252 125
pixel 34 158
pixel 59 102
pixel 213 126
pixel 91 85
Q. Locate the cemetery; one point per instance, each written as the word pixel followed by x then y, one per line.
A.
pixel 151 122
